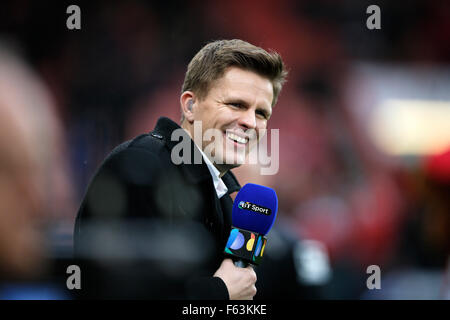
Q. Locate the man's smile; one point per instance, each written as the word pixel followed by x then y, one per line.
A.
pixel 235 137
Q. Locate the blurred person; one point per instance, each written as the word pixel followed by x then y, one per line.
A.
pixel 230 86
pixel 32 174
pixel 420 268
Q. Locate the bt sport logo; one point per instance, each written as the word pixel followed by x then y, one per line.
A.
pixel 255 208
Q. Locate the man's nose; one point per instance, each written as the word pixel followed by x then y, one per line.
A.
pixel 247 119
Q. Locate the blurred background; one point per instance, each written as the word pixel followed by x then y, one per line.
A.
pixel 364 119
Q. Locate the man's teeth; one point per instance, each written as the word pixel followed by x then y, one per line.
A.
pixel 236 138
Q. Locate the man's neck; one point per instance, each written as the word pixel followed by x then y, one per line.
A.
pixel 221 169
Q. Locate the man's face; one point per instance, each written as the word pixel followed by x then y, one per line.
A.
pixel 238 106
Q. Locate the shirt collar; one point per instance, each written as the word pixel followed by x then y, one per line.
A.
pixel 219 185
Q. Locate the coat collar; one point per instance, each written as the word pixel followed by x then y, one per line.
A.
pixel 194 172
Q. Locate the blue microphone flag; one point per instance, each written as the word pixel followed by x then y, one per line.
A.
pixel 255 208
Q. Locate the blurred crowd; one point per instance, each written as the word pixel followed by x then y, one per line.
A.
pixel 68 97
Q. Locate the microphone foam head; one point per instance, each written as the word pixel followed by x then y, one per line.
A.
pixel 255 208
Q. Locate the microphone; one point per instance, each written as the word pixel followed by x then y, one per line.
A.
pixel 254 211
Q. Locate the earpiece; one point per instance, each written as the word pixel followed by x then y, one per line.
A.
pixel 190 105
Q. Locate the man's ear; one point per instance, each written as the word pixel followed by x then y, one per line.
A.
pixel 187 101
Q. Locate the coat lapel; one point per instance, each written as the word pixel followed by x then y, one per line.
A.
pixel 219 220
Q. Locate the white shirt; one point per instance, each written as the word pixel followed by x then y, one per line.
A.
pixel 219 185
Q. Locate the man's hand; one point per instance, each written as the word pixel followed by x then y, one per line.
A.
pixel 240 282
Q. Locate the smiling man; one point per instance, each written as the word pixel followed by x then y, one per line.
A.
pixel 228 93
pixel 235 109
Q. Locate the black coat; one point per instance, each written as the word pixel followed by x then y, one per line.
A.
pixel 138 183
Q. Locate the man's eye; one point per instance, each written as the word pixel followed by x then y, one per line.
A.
pixel 262 114
pixel 236 104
